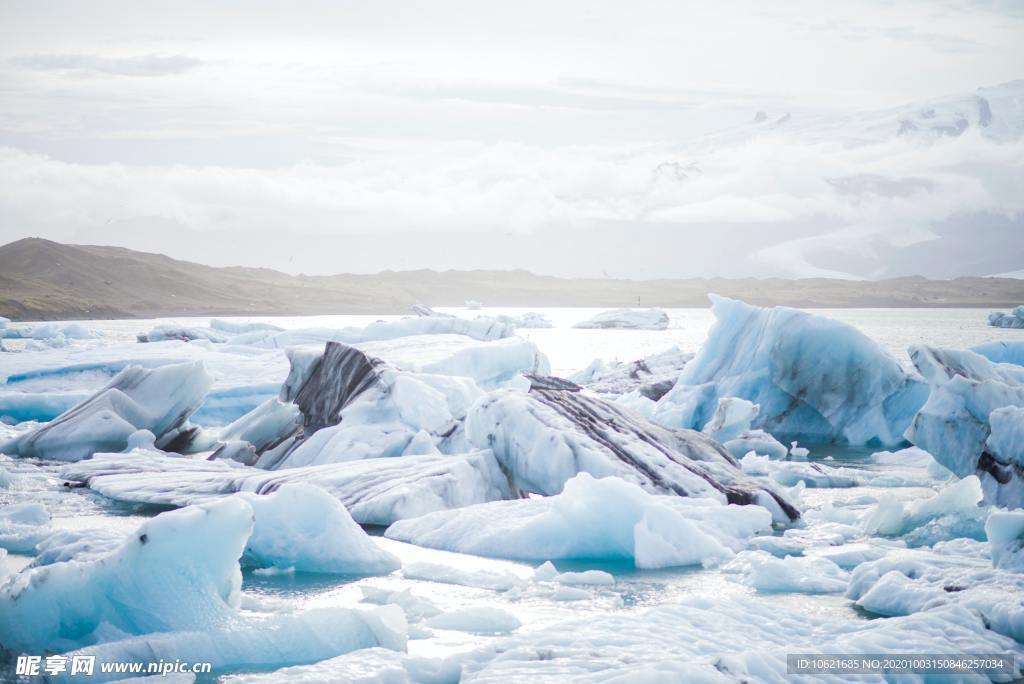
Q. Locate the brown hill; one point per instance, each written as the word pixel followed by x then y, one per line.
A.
pixel 44 280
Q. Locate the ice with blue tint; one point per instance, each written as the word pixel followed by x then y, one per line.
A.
pixel 303 528
pixel 1014 319
pixel 957 502
pixel 48 331
pixel 796 574
pixel 814 378
pixel 953 573
pixel 23 525
pixel 177 575
pixel 158 400
pixel 969 423
pixel 1005 533
pixel 1003 351
pixel 593 518
pixel 375 491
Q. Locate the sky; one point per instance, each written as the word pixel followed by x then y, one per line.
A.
pixel 571 138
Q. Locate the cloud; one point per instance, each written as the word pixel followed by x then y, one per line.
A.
pixel 144 65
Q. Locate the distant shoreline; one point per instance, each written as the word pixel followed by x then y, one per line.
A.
pixel 41 280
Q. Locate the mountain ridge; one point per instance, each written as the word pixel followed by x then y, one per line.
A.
pixel 45 280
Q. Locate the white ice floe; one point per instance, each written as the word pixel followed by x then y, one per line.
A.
pixel 23 525
pixel 375 491
pixel 955 573
pixel 628 319
pixel 1002 351
pixel 483 620
pixel 720 639
pixel 649 377
pixel 478 329
pixel 302 527
pixel 954 504
pixel 814 378
pixel 1014 319
pixel 446 574
pixel 176 581
pixel 159 400
pixel 1005 533
pixel 971 422
pixel 797 574
pixel 593 518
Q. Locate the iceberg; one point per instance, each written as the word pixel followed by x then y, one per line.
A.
pixel 183 333
pixel 177 581
pixel 547 436
pixel 1006 351
pixel 302 527
pixel 1014 319
pixel 971 423
pixel 483 620
pixel 605 518
pixel 814 379
pixel 892 518
pixel 651 377
pixel 158 400
pixel 628 319
pixel 375 491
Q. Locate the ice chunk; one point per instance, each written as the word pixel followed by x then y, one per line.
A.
pixel 179 571
pixel 265 426
pixel 85 544
pixel 954 425
pixel 277 641
pixel 651 376
pixel 717 639
pixel 1003 351
pixel 446 574
pixel 375 492
pixel 530 319
pixel 797 574
pixel 481 620
pixel 731 419
pixel 159 400
pixel 1005 532
pixel 23 525
pixel 478 329
pixel 892 518
pixel 758 441
pixel 628 319
pixel 814 378
pixel 926 580
pixel 547 436
pixel 239 327
pixel 301 526
pixel 593 518
pixel 1014 319
pixel 184 333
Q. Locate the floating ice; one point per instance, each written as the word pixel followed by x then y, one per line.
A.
pixel 1005 532
pixel 48 331
pixel 23 525
pixel 952 573
pixel 718 639
pixel 769 574
pixel 530 319
pixel 301 526
pixel 481 620
pixel 478 329
pixel 375 491
pixel 650 376
pixel 159 400
pixel 280 640
pixel 365 666
pixel 184 333
pixel 1005 351
pixel 593 518
pixel 954 425
pixel 1014 319
pixel 547 436
pixel 628 319
pixel 446 574
pixel 732 418
pixel 892 518
pixel 814 378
